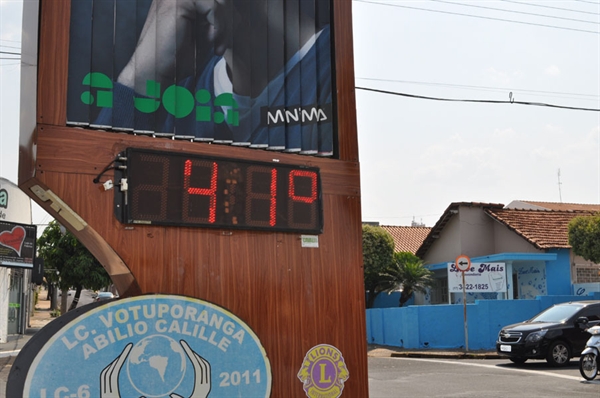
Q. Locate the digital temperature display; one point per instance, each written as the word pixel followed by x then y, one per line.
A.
pixel 170 188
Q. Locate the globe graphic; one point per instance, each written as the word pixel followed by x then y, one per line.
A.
pixel 156 366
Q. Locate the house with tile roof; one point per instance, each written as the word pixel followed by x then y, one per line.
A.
pixel 407 239
pixel 523 247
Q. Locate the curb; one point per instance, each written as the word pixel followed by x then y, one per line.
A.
pixel 379 351
pixel 453 355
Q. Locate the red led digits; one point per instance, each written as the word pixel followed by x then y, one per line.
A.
pixel 292 188
pixel 194 190
pixel 273 209
pixel 261 197
pixel 210 192
pixel 302 191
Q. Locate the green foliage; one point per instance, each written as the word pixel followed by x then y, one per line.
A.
pixel 378 254
pixel 75 264
pixel 584 237
pixel 407 273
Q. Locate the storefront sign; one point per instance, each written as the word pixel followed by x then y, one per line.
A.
pixel 17 245
pixel 15 206
pixel 151 346
pixel 480 278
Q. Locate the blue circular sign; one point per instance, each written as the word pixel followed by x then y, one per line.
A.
pixel 151 346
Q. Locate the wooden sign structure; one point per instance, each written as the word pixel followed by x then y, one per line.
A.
pixel 294 296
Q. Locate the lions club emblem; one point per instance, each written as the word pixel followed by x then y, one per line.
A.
pixel 323 372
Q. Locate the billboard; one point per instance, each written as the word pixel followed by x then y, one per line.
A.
pixel 480 278
pixel 254 73
pixel 17 245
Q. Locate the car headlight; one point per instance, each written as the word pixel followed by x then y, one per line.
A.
pixel 536 336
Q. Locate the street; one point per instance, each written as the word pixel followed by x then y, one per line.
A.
pixel 416 377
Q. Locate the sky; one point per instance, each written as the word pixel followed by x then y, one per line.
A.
pixel 419 155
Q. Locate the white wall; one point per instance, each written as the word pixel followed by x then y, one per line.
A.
pixel 15 207
pixel 477 232
pixel 447 243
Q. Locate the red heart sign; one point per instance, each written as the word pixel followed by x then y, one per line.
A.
pixel 13 239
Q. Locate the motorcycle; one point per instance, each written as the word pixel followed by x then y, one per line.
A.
pixel 588 361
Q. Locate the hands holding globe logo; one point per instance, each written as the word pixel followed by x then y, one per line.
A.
pixel 156 367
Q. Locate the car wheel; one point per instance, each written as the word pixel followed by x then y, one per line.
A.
pixel 559 354
pixel 518 360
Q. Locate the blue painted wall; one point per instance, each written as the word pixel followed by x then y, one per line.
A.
pixel 442 326
pixel 558 273
pixel 391 300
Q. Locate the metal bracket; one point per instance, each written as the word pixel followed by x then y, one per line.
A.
pixel 60 207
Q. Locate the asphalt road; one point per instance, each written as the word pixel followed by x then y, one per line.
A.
pixel 422 378
pixel 395 377
pixel 412 377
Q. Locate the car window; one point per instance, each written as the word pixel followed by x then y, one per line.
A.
pixel 592 312
pixel 558 313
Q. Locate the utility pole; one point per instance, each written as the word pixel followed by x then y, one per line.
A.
pixel 559 184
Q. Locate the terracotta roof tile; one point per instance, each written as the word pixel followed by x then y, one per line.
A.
pixel 544 229
pixel 562 206
pixel 407 239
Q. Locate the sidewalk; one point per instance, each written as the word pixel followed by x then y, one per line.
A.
pixel 398 352
pixel 40 318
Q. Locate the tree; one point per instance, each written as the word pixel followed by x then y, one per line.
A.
pixel 584 237
pixel 407 274
pixel 378 254
pixel 76 266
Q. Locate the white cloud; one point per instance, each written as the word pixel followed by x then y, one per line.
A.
pixel 544 152
pixel 501 78
pixel 552 70
pixel 504 133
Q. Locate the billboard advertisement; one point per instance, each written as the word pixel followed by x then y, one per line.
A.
pixel 254 73
pixel 480 278
pixel 17 245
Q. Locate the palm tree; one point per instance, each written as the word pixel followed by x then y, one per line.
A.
pixel 406 274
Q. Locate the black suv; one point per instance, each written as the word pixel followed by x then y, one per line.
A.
pixel 556 334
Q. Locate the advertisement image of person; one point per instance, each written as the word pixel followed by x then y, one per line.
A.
pixel 109 378
pixel 259 71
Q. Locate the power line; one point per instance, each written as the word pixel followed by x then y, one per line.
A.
pixel 478 16
pixel 477 101
pixel 512 11
pixel 9 53
pixel 4 45
pixel 589 2
pixel 554 8
pixel 482 88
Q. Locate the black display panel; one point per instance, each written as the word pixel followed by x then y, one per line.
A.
pixel 169 188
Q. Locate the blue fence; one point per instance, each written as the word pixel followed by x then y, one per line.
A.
pixel 442 326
